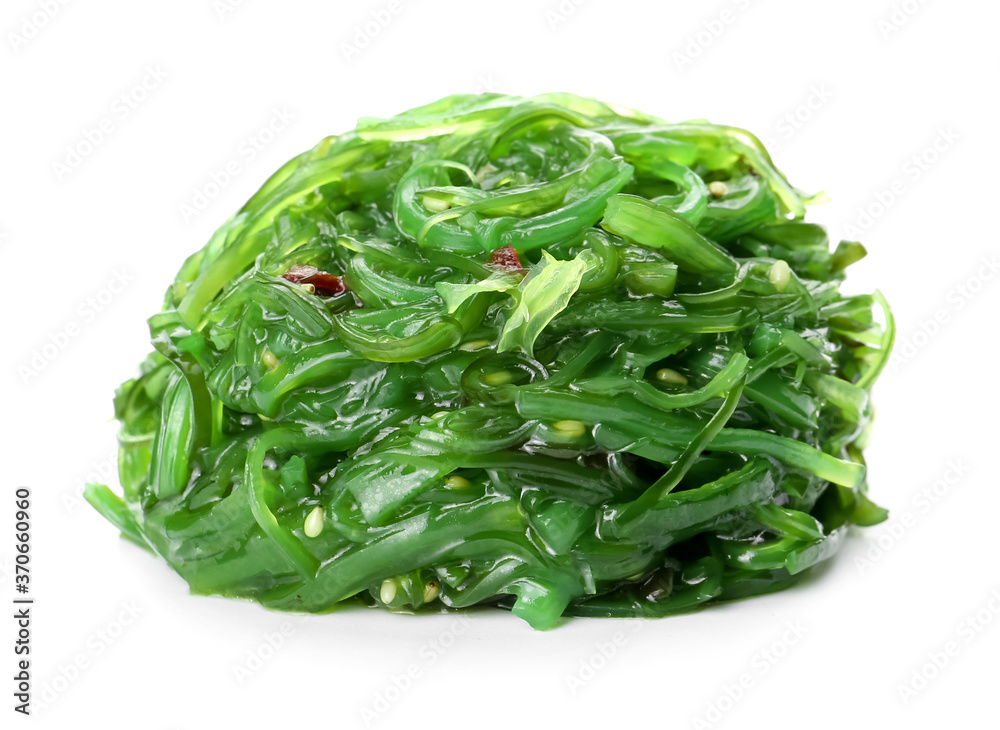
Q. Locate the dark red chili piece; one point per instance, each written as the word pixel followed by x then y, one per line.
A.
pixel 297 274
pixel 506 258
pixel 326 284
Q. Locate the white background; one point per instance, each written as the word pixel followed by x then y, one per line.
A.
pixel 887 81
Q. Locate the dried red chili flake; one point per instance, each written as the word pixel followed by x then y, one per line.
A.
pixel 298 273
pixel 506 258
pixel 326 284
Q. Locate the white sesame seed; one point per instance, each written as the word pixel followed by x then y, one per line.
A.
pixel 388 590
pixel 314 523
pixel 269 360
pixel 570 428
pixel 718 189
pixel 500 377
pixel 456 482
pixel 668 375
pixel 779 274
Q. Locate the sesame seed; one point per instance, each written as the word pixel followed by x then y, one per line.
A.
pixel 718 189
pixel 668 375
pixel 500 377
pixel 314 523
pixel 387 593
pixel 779 274
pixel 456 482
pixel 269 360
pixel 570 428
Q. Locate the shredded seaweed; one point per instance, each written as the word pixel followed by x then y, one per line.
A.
pixel 547 353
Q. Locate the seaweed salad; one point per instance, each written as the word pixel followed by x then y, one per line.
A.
pixel 547 354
